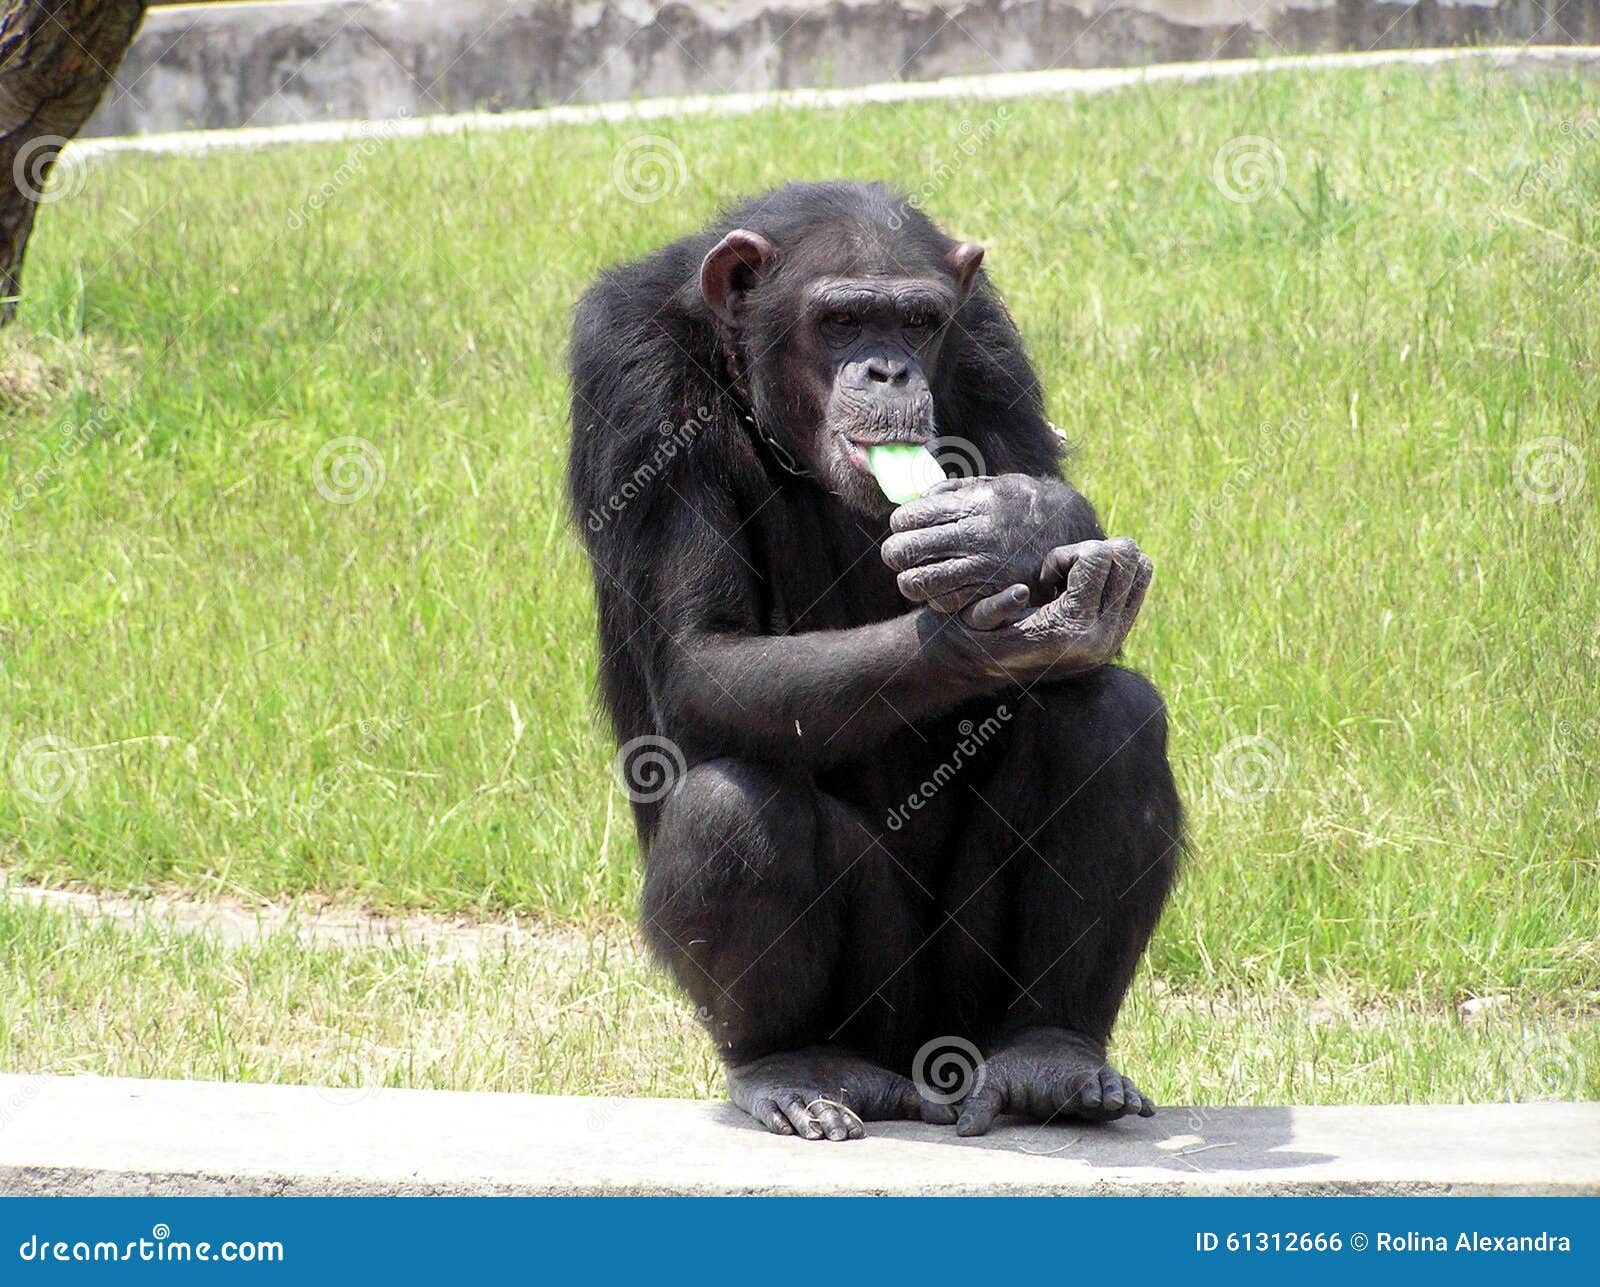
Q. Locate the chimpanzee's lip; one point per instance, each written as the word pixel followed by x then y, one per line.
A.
pixel 889 440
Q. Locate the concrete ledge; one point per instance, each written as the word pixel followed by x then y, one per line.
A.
pixel 1514 61
pixel 220 66
pixel 90 1135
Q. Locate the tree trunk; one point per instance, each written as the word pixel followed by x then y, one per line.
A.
pixel 56 59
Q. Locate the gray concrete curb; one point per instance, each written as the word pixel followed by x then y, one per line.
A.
pixel 91 1135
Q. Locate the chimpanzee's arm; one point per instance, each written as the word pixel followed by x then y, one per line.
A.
pixel 823 696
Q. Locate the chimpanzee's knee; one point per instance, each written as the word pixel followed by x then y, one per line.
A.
pixel 733 902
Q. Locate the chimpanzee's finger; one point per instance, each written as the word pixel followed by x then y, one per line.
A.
pixel 1011 604
pixel 794 1108
pixel 1112 1097
pixel 767 1113
pixel 1086 583
pixel 934 507
pixel 1057 564
pixel 1124 568
pixel 949 585
pixel 955 484
pixel 834 1122
pixel 1141 582
pixel 902 550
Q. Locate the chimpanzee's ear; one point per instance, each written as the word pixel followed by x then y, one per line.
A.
pixel 734 265
pixel 963 261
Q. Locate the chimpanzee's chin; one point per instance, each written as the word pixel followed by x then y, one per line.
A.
pixel 858 491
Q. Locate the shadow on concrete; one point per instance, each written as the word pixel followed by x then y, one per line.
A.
pixel 1195 1141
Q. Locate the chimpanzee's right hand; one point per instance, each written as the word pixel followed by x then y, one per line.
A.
pixel 1101 586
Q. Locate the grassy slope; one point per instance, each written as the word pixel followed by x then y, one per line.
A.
pixel 1366 589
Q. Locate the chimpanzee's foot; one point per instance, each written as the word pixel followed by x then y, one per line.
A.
pixel 800 1092
pixel 1049 1074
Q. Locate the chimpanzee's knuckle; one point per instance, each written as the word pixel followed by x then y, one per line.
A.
pixel 913 583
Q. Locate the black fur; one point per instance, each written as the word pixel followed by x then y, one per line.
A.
pixel 746 616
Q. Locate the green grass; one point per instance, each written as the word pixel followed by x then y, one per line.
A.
pixel 589 1018
pixel 1309 409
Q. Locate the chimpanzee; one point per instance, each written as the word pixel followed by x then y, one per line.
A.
pixel 908 803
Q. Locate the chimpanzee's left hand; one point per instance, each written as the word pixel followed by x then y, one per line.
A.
pixel 968 538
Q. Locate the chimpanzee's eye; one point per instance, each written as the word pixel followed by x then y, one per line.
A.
pixel 918 322
pixel 842 319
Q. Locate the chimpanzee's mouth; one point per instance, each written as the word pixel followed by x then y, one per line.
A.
pixel 855 446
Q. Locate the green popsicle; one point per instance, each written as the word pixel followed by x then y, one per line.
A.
pixel 904 470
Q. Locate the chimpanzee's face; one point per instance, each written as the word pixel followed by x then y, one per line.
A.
pixel 838 364
pixel 860 365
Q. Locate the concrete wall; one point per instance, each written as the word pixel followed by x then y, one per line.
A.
pixel 217 66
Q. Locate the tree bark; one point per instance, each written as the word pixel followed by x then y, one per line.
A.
pixel 56 59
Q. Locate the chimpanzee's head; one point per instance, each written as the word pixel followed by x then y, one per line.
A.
pixel 837 312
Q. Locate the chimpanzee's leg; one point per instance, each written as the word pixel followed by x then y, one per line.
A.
pixel 787 922
pixel 1071 849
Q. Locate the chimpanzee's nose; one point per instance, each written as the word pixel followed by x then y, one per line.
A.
pixel 887 371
